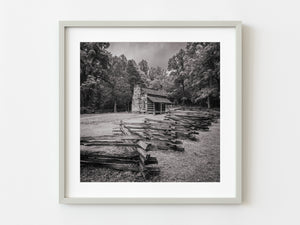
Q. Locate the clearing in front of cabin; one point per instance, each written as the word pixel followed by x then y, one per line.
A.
pixel 198 162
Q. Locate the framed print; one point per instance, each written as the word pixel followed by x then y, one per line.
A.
pixel 150 112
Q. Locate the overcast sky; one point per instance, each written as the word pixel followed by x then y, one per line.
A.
pixel 155 53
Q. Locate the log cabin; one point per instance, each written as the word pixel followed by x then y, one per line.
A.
pixel 145 100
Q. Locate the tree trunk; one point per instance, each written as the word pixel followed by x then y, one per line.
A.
pixel 208 102
pixel 115 106
pixel 183 94
pixel 208 97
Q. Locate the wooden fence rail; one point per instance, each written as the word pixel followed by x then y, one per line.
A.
pixel 140 138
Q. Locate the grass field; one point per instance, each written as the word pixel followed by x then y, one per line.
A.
pixel 200 162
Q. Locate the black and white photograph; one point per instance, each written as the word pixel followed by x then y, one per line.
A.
pixel 150 112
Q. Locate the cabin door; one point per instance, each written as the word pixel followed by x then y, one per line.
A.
pixel 156 107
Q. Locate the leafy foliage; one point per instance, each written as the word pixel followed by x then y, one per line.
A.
pixel 94 60
pixel 107 81
pixel 196 74
pixel 133 73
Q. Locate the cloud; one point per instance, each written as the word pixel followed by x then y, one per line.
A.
pixel 155 53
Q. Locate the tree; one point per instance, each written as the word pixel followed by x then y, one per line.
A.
pixel 91 94
pixel 144 72
pixel 176 66
pixel 107 81
pixel 155 77
pixel 134 76
pixel 94 60
pixel 120 89
pixel 195 72
pixel 143 65
pixel 204 68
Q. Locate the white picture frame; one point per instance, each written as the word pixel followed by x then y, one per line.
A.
pixel 237 85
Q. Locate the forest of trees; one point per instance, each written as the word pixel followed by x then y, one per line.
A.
pixel 106 81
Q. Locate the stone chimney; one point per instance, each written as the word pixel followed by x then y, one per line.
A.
pixel 136 98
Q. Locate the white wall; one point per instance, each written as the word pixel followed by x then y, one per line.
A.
pixel 29 111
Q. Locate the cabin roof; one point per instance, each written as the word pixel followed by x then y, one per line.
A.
pixel 159 99
pixel 155 92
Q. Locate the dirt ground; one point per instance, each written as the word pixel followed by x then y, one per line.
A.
pixel 200 161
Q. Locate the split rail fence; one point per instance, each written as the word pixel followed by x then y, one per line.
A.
pixel 140 139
